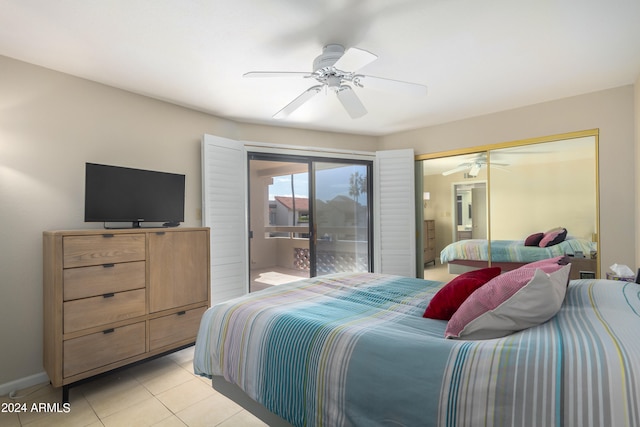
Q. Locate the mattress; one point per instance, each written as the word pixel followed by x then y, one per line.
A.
pixel 512 250
pixel 354 349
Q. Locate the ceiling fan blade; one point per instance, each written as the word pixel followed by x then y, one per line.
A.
pixel 391 85
pixel 354 59
pixel 475 170
pixel 351 102
pixel 297 103
pixel 254 74
pixel 455 170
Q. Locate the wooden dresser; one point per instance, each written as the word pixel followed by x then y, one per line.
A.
pixel 115 297
pixel 429 248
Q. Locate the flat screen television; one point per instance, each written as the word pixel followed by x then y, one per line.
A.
pixel 120 194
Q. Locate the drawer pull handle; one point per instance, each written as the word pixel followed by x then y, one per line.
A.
pixel 109 295
pixel 160 233
pixel 108 331
pixel 181 313
pixel 107 235
pixel 108 265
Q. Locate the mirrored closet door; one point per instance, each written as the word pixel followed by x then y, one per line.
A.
pixel 484 203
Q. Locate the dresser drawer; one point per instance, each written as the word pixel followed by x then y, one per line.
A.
pixel 174 328
pixel 93 351
pixel 95 311
pixel 97 249
pixel 83 282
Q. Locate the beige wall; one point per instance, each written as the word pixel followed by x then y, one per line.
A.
pixel 50 125
pixel 637 162
pixel 611 111
pixel 263 251
pixel 563 198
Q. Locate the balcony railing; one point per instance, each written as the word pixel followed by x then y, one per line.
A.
pixel 287 231
pixel 337 233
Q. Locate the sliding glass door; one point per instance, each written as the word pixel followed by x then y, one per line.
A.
pixel 307 217
pixel 341 217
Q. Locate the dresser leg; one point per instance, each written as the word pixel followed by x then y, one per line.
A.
pixel 65 394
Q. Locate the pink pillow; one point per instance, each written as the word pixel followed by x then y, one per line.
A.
pixel 513 301
pixel 558 260
pixel 447 300
pixel 553 237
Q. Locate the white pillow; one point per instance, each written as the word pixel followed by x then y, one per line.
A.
pixel 534 303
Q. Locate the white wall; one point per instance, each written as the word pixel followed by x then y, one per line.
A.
pixel 612 111
pixel 50 125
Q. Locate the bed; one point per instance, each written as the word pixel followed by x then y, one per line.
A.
pixel 354 349
pixel 507 254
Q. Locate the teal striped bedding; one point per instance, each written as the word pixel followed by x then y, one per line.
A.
pixel 511 250
pixel 354 350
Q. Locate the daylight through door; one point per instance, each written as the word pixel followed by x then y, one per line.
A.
pixel 307 217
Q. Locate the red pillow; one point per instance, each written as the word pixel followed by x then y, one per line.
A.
pixel 447 300
pixel 534 239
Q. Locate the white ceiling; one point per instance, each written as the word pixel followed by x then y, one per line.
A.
pixel 476 57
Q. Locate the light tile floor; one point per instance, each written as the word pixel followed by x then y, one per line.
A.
pixel 273 276
pixel 163 392
pixel 438 272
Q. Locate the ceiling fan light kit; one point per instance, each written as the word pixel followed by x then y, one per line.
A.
pixel 328 71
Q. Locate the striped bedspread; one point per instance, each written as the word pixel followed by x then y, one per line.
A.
pixel 511 250
pixel 354 350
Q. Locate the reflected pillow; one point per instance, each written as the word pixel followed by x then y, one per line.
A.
pixel 516 300
pixel 447 300
pixel 553 237
pixel 534 239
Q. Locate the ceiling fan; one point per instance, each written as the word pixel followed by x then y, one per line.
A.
pixel 329 71
pixel 474 165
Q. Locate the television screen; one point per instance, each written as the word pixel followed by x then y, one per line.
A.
pixel 119 194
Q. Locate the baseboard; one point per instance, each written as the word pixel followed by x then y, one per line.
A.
pixel 22 383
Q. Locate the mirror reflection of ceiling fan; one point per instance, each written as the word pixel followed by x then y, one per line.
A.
pixel 328 70
pixel 474 166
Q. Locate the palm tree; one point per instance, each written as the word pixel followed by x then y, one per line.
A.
pixel 357 185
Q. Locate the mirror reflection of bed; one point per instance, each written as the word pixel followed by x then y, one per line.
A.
pixel 532 186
